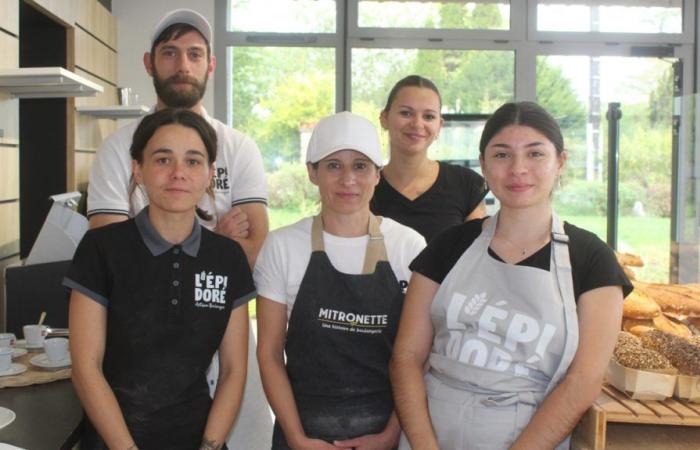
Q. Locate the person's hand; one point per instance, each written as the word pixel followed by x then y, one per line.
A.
pixel 234 224
pixel 312 444
pixel 380 441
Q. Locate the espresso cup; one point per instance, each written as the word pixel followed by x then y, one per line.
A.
pixel 7 340
pixel 5 359
pixel 35 334
pixel 56 349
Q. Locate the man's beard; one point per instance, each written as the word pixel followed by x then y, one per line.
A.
pixel 175 97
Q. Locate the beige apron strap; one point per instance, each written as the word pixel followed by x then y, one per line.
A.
pixel 376 250
pixel 317 234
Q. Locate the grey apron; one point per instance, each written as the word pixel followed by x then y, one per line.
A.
pixel 505 336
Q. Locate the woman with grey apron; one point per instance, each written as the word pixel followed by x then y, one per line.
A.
pixel 516 315
pixel 330 293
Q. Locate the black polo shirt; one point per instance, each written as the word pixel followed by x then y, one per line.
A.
pixel 168 307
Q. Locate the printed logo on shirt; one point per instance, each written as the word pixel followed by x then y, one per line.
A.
pixel 472 324
pixel 352 322
pixel 210 290
pixel 220 180
pixel 403 284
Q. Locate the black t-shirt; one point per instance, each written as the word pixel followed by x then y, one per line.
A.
pixel 454 195
pixel 168 307
pixel 593 263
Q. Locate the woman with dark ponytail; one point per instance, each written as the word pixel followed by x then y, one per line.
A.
pixel 154 297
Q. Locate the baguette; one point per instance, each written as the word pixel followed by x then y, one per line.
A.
pixel 638 305
pixel 672 300
pixel 628 259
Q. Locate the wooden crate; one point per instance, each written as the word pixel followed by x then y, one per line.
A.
pixel 616 422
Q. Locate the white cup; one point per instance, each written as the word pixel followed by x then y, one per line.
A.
pixel 56 349
pixel 5 359
pixel 35 334
pixel 7 339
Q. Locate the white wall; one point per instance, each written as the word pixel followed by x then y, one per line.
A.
pixel 135 21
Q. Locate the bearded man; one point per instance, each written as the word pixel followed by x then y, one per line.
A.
pixel 180 63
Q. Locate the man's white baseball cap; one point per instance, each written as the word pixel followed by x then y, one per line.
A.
pixel 187 16
pixel 344 131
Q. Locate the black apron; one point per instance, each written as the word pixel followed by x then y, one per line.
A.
pixel 339 341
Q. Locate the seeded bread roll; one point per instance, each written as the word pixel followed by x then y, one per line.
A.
pixel 639 305
pixel 683 355
pixel 629 352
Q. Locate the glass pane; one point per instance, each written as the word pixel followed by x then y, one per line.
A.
pixel 470 81
pixel 655 16
pixel 278 96
pixel 283 16
pixel 577 90
pixel 478 15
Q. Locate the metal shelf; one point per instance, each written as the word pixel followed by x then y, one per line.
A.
pixel 46 82
pixel 114 112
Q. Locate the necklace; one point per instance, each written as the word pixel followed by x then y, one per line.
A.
pixel 522 250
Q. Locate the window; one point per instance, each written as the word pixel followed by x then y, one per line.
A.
pixel 284 71
pixel 479 15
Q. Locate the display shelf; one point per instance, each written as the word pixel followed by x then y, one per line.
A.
pixel 46 82
pixel 114 112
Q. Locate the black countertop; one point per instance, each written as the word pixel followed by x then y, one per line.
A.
pixel 46 415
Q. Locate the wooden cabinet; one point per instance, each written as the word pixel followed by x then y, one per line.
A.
pixel 9 173
pixel 9 16
pixel 93 56
pixel 92 17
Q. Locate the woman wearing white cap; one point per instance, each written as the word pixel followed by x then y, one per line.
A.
pixel 330 294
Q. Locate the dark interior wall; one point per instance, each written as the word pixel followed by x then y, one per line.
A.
pixel 42 126
pixel 107 4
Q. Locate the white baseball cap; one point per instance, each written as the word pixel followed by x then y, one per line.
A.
pixel 344 131
pixel 187 16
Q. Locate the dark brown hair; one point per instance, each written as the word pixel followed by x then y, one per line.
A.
pixel 174 31
pixel 174 116
pixel 411 81
pixel 528 114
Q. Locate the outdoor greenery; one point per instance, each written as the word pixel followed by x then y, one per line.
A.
pixel 279 93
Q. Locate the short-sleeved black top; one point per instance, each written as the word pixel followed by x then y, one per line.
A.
pixel 453 196
pixel 593 263
pixel 168 307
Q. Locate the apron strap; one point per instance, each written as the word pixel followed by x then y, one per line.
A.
pixel 376 250
pixel 562 264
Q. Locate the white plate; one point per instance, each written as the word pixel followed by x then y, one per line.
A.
pixel 23 344
pixel 17 352
pixel 15 369
pixel 7 416
pixel 42 360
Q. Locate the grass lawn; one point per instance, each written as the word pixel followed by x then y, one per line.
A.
pixel 648 237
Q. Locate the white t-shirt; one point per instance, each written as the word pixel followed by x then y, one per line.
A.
pixel 238 178
pixel 285 255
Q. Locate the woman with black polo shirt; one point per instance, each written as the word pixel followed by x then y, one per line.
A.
pixel 414 190
pixel 516 315
pixel 154 298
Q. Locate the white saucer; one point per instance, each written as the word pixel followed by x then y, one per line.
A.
pixel 17 352
pixel 15 369
pixel 23 344
pixel 6 417
pixel 42 360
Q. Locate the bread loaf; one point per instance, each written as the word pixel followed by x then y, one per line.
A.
pixel 682 354
pixel 674 300
pixel 638 305
pixel 629 352
pixel 628 259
